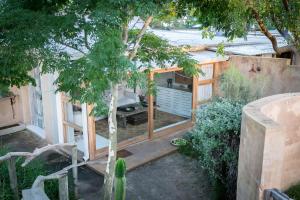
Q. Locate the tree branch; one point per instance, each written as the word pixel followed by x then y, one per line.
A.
pixel 30 156
pixel 14 154
pixel 265 31
pixel 139 37
pixel 286 5
pixel 38 152
pixel 86 40
pixel 72 47
pixel 56 175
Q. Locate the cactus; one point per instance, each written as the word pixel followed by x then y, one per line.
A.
pixel 120 180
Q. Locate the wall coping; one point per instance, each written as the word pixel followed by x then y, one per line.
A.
pixel 254 109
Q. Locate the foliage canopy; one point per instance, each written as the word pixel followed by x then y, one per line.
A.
pixel 235 17
pixel 87 42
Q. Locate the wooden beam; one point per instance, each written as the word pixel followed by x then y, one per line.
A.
pixel 72 125
pixel 173 129
pixel 214 84
pixel 205 82
pixel 164 70
pixel 122 145
pixel 150 107
pixel 91 132
pixel 203 101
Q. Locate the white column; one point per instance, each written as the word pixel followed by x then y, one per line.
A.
pixel 59 117
pixel 85 131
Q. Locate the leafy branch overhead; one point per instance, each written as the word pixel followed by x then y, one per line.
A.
pixel 236 17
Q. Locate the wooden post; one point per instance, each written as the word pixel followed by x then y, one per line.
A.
pixel 150 107
pixel 214 84
pixel 194 97
pixel 13 176
pixel 75 169
pixel 216 73
pixel 63 188
pixel 91 132
pixel 63 111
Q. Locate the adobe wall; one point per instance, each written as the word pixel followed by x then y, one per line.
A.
pixel 10 113
pixel 270 145
pixel 279 77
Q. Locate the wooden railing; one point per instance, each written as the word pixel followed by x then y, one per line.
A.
pixel 37 189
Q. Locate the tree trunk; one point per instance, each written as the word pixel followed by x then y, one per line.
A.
pixel 112 147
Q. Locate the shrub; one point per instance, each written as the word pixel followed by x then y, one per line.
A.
pixel 215 138
pixel 237 87
pixel 26 176
pixel 294 192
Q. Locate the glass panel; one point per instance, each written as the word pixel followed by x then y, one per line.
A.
pixel 173 100
pixel 132 116
pixel 208 71
pixel 204 92
pixel 73 119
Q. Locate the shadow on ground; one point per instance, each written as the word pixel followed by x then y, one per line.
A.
pixel 174 177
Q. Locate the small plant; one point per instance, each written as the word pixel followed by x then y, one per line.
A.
pixel 120 182
pixel 179 142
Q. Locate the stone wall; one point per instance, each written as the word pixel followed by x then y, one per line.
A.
pixel 278 76
pixel 269 146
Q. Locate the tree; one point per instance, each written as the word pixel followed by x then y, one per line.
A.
pixel 234 17
pixel 20 34
pixel 91 47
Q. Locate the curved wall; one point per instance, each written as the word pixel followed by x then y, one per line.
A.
pixel 269 155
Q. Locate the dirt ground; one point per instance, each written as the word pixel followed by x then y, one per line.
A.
pixel 174 177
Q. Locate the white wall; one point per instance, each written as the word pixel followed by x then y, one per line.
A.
pixel 50 108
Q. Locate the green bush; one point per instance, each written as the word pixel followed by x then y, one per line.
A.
pixel 215 138
pixel 26 176
pixel 294 192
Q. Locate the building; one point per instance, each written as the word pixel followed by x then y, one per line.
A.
pixel 50 114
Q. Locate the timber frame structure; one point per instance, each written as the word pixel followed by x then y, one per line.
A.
pixel 89 129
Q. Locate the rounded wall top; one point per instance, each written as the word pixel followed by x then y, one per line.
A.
pixel 270 111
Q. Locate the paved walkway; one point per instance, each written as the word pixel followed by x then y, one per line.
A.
pixel 174 177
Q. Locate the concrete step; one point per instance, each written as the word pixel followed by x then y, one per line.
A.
pixel 11 129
